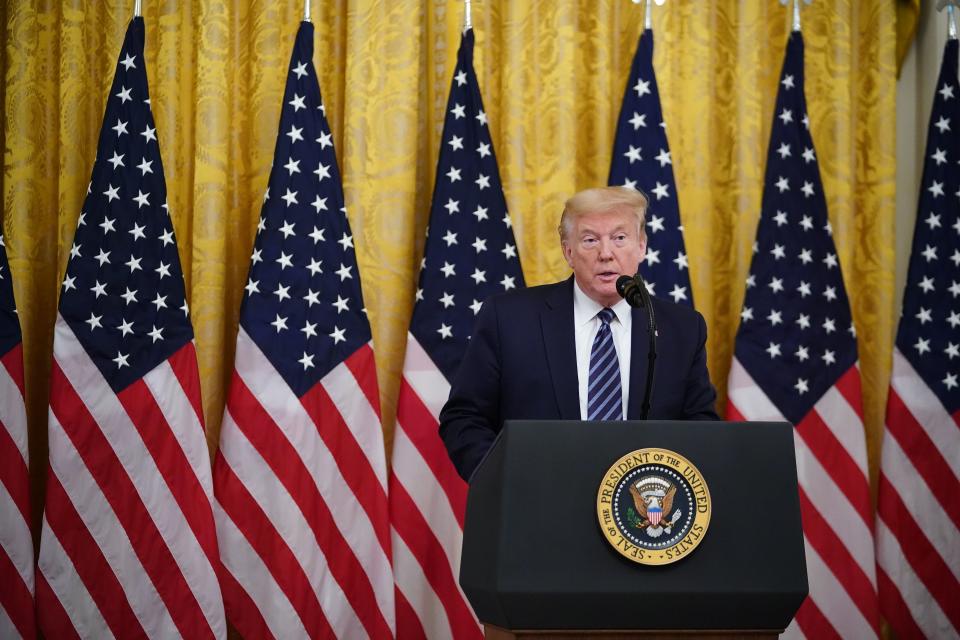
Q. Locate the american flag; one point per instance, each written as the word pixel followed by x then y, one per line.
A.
pixel 918 507
pixel 795 359
pixel 16 543
pixel 128 545
pixel 470 255
pixel 641 159
pixel 300 475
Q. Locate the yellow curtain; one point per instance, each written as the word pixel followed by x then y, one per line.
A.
pixel 552 76
pixel 908 15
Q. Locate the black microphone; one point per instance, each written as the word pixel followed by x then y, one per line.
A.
pixel 631 289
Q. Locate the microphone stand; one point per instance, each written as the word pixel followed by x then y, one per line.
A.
pixel 634 291
pixel 652 352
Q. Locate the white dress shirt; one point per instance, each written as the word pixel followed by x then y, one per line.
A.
pixel 585 327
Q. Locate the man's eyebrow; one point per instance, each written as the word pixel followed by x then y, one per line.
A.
pixel 619 227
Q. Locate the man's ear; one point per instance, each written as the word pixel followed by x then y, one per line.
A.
pixel 567 252
pixel 643 246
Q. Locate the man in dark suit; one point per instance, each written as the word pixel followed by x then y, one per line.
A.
pixel 575 350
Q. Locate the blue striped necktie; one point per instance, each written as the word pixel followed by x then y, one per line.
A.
pixel 604 399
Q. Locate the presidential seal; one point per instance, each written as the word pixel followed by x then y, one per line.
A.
pixel 653 506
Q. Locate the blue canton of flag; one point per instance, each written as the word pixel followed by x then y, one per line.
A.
pixel 123 294
pixel 303 306
pixel 471 253
pixel 9 323
pixel 796 336
pixel 927 336
pixel 641 159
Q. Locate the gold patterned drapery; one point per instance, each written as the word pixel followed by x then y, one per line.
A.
pixel 552 75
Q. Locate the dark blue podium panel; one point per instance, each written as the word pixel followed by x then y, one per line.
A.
pixel 534 555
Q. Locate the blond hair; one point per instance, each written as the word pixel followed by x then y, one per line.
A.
pixel 603 199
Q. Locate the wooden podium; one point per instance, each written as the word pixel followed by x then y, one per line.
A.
pixel 536 564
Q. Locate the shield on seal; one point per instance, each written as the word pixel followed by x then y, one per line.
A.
pixel 654 514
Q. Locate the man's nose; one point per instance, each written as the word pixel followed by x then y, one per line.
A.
pixel 606 249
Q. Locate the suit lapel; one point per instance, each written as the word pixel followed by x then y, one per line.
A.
pixel 556 322
pixel 639 351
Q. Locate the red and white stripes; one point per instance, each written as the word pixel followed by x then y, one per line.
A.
pixel 16 543
pixel 427 505
pixel 301 498
pixel 834 503
pixel 918 510
pixel 128 542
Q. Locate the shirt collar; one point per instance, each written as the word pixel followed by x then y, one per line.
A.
pixel 585 308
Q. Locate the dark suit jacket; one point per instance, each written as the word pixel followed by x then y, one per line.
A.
pixel 522 363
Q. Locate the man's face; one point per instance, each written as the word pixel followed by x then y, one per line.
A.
pixel 600 248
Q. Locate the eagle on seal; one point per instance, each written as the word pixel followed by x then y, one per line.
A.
pixel 654 503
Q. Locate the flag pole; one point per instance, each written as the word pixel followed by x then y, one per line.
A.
pixel 647 12
pixel 952 6
pixel 796 12
pixel 306 10
pixel 136 8
pixel 467 16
